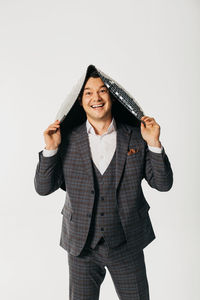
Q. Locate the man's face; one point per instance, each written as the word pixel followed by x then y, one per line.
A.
pixel 96 93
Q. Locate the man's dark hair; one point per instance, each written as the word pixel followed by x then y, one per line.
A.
pixel 93 74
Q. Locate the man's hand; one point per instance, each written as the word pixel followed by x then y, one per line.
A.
pixel 151 132
pixel 52 136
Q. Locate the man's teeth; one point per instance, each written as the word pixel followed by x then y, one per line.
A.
pixel 97 105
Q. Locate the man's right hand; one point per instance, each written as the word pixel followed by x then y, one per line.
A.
pixel 52 136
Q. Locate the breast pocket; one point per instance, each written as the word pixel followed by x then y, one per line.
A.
pixel 134 161
pixel 131 155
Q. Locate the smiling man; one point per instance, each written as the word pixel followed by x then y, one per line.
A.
pixel 105 218
pixel 97 103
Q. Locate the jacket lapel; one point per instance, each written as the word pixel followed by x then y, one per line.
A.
pixel 84 150
pixel 123 139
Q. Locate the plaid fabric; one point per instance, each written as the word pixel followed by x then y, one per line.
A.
pixel 128 273
pixel 71 169
pixel 105 219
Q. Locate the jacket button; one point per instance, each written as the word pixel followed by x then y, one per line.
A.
pixel 102 213
pixel 102 198
pixel 89 215
pixel 102 229
pixel 92 191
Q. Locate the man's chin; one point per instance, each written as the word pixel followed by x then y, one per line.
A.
pixel 98 118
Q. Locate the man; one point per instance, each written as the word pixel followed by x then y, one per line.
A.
pixel 105 217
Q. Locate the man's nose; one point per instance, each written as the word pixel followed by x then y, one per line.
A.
pixel 96 96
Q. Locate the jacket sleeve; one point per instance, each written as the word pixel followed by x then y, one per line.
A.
pixel 157 170
pixel 48 175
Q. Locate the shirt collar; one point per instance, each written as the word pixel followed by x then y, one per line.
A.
pixel 112 127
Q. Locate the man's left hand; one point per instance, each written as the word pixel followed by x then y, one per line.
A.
pixel 151 132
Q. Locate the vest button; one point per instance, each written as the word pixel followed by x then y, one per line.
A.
pixel 102 214
pixel 92 191
pixel 102 198
pixel 102 229
pixel 89 215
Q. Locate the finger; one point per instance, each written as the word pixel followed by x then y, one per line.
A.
pixel 152 122
pixel 149 122
pixel 56 122
pixel 52 131
pixel 144 117
pixel 54 125
pixel 51 128
pixel 149 119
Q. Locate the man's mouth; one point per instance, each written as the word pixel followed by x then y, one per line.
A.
pixel 97 106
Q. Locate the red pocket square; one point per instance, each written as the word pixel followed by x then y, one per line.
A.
pixel 132 151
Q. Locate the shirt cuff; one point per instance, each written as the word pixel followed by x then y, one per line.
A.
pixel 156 149
pixel 48 153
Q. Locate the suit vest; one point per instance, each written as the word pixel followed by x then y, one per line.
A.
pixel 105 222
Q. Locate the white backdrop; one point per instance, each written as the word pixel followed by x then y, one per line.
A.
pixel 152 49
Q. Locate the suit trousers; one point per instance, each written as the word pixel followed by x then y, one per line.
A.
pixel 128 272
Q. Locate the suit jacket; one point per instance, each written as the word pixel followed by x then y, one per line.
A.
pixel 71 169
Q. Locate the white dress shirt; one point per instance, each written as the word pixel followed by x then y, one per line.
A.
pixel 102 147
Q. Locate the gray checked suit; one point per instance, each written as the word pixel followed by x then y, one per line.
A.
pixel 105 217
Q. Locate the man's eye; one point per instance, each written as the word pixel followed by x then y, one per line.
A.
pixel 87 93
pixel 103 90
